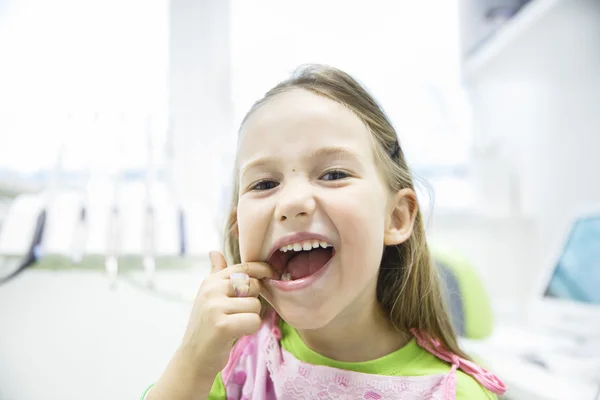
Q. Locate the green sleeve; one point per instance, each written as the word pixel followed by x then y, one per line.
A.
pixel 217 392
pixel 467 388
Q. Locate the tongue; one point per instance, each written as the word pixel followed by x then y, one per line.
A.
pixel 308 262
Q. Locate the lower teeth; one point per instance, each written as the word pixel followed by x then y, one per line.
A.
pixel 286 276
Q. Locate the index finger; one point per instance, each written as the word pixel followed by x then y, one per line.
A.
pixel 257 270
pixel 217 262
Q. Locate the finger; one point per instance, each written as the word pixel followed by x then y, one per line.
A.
pixel 240 305
pixel 258 270
pixel 217 262
pixel 240 283
pixel 252 291
pixel 241 324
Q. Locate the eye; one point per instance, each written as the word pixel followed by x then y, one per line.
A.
pixel 335 175
pixel 264 185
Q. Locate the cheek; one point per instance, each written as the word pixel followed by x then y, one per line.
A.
pixel 360 222
pixel 251 229
pixel 363 210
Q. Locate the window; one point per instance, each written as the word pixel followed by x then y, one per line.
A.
pixel 70 71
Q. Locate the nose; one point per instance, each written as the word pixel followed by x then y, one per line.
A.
pixel 295 201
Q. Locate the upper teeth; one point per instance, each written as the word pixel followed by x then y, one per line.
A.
pixel 305 245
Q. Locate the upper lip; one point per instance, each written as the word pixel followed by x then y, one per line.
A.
pixel 295 238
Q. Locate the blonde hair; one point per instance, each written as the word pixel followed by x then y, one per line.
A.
pixel 408 286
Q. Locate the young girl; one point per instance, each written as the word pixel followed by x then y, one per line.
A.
pixel 330 291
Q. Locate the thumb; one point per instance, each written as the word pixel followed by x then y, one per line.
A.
pixel 217 262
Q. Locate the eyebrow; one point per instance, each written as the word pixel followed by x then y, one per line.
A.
pixel 341 152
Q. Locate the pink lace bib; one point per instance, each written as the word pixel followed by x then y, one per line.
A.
pixel 260 369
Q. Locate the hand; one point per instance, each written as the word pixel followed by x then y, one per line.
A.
pixel 219 316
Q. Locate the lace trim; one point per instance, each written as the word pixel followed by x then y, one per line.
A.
pixel 259 369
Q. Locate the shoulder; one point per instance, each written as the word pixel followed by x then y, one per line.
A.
pixel 468 388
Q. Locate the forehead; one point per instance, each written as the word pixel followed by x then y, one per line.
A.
pixel 297 121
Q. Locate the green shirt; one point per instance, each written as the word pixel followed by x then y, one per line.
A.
pixel 410 360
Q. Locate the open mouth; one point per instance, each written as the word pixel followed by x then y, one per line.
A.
pixel 301 259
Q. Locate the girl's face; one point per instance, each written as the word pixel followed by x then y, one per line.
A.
pixel 308 177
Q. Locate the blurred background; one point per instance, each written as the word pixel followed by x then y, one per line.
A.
pixel 118 125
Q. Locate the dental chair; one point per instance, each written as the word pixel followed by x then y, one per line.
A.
pixel 467 299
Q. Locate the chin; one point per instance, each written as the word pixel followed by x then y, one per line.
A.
pixel 304 317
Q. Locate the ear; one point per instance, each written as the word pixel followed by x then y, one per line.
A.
pixel 401 218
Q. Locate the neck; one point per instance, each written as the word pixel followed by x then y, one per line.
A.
pixel 360 333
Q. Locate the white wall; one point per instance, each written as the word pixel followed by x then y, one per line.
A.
pixel 495 249
pixel 538 101
pixel 200 105
pixel 201 110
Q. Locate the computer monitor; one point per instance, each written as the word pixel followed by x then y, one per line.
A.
pixel 577 273
pixel 570 288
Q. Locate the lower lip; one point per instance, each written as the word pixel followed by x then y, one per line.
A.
pixel 298 284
